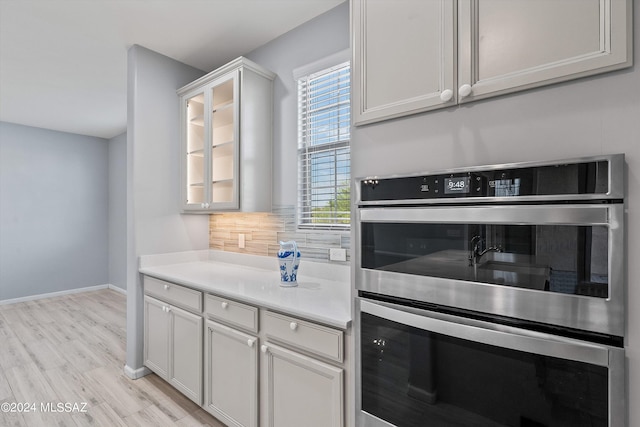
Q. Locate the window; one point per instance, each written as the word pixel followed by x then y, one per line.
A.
pixel 324 159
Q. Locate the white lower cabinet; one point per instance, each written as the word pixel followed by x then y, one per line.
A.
pixel 231 375
pixel 254 366
pixel 301 391
pixel 173 346
pixel 156 336
pixel 185 355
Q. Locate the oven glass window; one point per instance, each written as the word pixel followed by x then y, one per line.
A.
pixel 554 258
pixel 416 378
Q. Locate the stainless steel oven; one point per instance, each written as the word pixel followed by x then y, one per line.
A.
pixel 422 368
pixel 521 264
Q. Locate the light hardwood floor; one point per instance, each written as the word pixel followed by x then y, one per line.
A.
pixel 71 350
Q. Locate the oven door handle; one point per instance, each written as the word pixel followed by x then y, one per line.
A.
pixel 587 214
pixel 491 334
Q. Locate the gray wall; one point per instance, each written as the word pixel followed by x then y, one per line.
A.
pixel 154 222
pixel 585 117
pixel 53 211
pixel 118 211
pixel 310 42
pixel 597 115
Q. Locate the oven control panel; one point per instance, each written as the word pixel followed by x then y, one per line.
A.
pixel 589 177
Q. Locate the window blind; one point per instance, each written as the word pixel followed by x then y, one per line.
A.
pixel 324 159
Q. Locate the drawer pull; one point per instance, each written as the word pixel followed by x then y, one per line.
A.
pixel 293 326
pixel 166 287
pixel 224 305
pixel 264 349
pixel 250 342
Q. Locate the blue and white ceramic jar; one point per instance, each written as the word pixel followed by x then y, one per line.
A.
pixel 289 258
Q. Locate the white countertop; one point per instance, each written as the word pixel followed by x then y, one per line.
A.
pixel 256 280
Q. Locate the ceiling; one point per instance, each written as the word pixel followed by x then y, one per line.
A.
pixel 63 63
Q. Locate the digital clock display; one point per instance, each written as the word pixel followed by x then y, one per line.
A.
pixel 456 185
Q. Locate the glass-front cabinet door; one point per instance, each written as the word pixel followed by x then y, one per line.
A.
pixel 224 142
pixel 212 147
pixel 225 157
pixel 195 151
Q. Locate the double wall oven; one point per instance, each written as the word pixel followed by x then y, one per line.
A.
pixel 492 296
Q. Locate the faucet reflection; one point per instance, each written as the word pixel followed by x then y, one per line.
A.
pixel 475 253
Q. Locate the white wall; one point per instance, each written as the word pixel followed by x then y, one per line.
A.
pixel 597 115
pixel 53 211
pixel 118 211
pixel 154 222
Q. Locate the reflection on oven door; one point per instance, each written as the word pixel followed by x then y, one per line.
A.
pixel 412 377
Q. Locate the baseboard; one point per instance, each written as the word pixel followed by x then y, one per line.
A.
pixel 117 289
pixel 59 293
pixel 134 374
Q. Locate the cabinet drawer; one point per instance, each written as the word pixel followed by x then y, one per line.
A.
pixel 232 312
pixel 173 294
pixel 320 340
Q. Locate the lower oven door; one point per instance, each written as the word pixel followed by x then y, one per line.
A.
pixel 417 368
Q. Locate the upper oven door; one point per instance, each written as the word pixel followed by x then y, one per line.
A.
pixel 555 264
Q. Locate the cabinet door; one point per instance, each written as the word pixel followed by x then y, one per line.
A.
pixel 185 346
pixel 233 128
pixel 225 145
pixel 156 336
pixel 231 375
pixel 509 45
pixel 403 57
pixel 302 391
pixel 195 173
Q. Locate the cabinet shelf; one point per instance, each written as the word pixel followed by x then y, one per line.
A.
pixel 223 149
pixel 196 153
pixel 222 106
pixel 197 120
pixel 222 144
pixel 222 117
pixel 222 181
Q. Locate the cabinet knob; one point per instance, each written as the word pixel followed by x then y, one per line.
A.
pixel 224 304
pixel 206 205
pixel 293 326
pixel 464 90
pixel 202 205
pixel 264 349
pixel 446 95
pixel 166 287
pixel 250 342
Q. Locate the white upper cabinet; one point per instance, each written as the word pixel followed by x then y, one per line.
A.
pixel 417 55
pixel 226 129
pixel 510 45
pixel 403 57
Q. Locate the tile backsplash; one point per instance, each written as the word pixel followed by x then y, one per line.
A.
pixel 264 231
